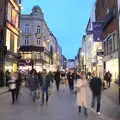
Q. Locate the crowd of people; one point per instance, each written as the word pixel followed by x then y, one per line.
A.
pixel 40 83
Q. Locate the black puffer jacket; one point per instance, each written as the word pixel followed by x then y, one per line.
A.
pixel 96 85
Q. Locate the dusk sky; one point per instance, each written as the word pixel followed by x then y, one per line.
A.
pixel 67 20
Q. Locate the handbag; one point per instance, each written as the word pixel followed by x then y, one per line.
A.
pixel 12 84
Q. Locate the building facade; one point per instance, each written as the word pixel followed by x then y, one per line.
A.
pixel 38 44
pixel 106 11
pixel 10 34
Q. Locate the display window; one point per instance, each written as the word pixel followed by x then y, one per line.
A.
pixel 8 39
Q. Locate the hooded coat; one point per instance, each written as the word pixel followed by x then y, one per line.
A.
pixel 82 89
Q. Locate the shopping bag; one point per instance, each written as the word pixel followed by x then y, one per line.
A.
pixel 12 84
pixel 38 94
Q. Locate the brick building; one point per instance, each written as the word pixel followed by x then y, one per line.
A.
pixel 106 11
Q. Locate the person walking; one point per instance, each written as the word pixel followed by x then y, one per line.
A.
pixel 33 83
pixel 45 84
pixel 81 95
pixel 107 78
pixel 57 79
pixel 12 85
pixel 70 78
pixel 18 84
pixel 7 77
pixel 96 87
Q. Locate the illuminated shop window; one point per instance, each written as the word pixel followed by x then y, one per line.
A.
pixel 27 56
pixel 15 43
pixel 12 42
pixel 8 39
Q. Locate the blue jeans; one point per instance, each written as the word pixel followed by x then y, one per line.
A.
pixel 96 98
pixel 44 91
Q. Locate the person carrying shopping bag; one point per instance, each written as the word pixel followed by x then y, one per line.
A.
pixel 12 86
pixel 81 95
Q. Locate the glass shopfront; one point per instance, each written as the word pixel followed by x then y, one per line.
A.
pixel 112 66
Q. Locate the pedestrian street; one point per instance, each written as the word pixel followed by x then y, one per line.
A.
pixel 61 106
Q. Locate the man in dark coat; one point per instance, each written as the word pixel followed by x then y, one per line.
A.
pixel 107 78
pixel 70 78
pixel 50 78
pixel 57 79
pixel 45 85
pixel 96 87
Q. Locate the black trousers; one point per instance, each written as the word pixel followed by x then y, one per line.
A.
pixel 13 94
pixel 108 83
pixel 71 84
pixel 17 92
pixel 96 98
pixel 57 85
pixel 45 92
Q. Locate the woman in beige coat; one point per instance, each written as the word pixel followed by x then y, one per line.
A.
pixel 81 96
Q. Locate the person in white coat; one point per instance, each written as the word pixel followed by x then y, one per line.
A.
pixel 81 89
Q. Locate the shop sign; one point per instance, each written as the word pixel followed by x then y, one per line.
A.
pixel 98 31
pixel 25 62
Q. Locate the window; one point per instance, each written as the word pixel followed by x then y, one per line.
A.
pixel 38 41
pixel 8 39
pixel 38 29
pixel 14 18
pixel 12 42
pixel 9 12
pixel 26 40
pixel 15 43
pixel 115 41
pixel 109 43
pixel 27 28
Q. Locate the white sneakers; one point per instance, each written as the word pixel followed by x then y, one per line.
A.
pixel 99 113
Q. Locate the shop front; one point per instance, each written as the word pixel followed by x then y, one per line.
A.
pixel 112 66
pixel 11 62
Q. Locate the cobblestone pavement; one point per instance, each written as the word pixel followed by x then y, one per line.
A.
pixel 61 106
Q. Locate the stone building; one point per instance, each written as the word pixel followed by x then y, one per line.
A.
pixel 9 34
pixel 38 44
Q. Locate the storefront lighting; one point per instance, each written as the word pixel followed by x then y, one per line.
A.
pixel 48 40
